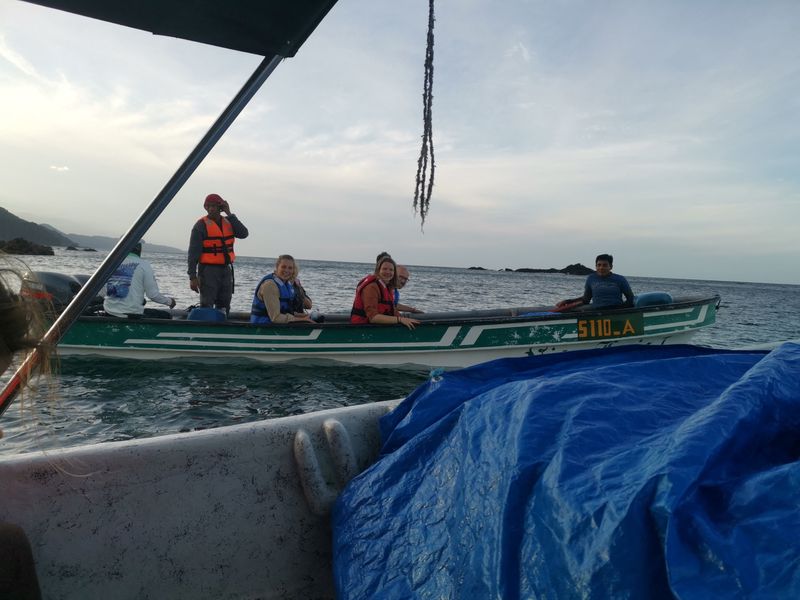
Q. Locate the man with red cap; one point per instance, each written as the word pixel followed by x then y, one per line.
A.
pixel 211 253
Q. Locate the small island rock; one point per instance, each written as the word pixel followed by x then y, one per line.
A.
pixel 576 269
pixel 22 246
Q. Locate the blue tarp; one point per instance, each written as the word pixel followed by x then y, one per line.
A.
pixel 633 472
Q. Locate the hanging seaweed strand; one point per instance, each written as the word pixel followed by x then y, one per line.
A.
pixel 424 188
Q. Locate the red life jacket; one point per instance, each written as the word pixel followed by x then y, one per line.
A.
pixel 218 243
pixel 385 304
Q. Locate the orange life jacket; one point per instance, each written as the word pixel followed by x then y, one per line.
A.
pixel 218 243
pixel 385 304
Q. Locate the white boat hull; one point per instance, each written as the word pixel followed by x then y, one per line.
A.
pixel 234 512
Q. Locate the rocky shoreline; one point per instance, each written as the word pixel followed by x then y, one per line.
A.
pixel 26 247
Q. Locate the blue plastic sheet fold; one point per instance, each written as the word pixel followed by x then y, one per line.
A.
pixel 657 472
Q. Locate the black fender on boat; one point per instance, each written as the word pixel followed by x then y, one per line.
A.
pixel 56 290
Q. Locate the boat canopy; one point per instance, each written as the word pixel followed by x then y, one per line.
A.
pixel 265 27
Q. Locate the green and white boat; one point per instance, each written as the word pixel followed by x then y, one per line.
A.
pixel 456 339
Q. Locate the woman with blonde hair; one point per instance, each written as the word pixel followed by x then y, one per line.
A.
pixel 274 299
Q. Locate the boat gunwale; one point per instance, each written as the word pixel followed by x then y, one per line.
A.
pixel 581 312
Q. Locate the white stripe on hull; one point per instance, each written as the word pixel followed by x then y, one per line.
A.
pixel 313 335
pixel 701 316
pixel 446 339
pixel 449 358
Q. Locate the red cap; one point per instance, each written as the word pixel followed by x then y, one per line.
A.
pixel 213 199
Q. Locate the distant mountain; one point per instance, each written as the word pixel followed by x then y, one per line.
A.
pixel 11 227
pixel 102 242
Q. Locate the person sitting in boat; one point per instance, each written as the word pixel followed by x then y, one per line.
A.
pixel 603 288
pixel 374 299
pixel 211 254
pixel 302 301
pixel 275 297
pixel 127 287
pixel 21 326
pixel 403 276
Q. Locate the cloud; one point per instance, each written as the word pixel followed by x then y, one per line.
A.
pixel 519 49
pixel 560 130
pixel 16 60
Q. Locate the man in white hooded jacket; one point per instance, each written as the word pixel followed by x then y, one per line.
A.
pixel 127 287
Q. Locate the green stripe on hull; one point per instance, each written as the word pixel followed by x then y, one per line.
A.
pixel 474 341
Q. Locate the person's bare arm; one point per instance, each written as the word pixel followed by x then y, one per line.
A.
pixel 271 296
pixel 372 296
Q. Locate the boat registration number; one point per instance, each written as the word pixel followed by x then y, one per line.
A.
pixel 610 327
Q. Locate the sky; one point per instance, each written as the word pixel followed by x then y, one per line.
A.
pixel 664 133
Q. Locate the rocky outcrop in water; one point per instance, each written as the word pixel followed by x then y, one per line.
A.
pixel 22 246
pixel 576 269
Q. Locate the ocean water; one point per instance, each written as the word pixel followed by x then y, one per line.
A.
pixel 92 400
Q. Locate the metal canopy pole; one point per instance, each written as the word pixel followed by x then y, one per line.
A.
pixel 137 231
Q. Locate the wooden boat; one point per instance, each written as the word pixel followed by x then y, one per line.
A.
pixel 455 339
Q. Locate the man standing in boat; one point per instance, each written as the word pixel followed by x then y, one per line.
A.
pixel 211 254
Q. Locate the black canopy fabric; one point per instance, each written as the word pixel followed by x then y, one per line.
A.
pixel 265 27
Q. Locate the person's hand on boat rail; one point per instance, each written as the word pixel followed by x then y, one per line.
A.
pixel 407 321
pixel 569 303
pixel 301 318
